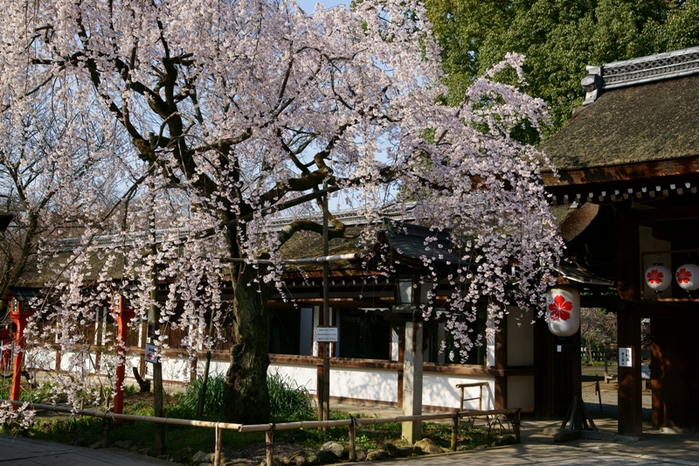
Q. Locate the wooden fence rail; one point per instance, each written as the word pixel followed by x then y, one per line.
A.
pixel 269 429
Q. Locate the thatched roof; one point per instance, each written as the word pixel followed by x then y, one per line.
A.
pixel 642 123
pixel 35 276
pixel 308 244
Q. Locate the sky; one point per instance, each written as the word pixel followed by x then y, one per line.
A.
pixel 309 5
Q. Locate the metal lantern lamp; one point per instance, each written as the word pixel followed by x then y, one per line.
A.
pixel 405 295
pixel 563 310
pixel 658 277
pixel 410 293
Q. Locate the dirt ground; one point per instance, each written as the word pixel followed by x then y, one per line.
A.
pixel 592 377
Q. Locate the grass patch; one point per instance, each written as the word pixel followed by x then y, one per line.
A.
pixel 289 403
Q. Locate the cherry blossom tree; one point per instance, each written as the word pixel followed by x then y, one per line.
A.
pixel 239 112
pixel 45 170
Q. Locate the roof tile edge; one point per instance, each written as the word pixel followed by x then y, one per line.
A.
pixel 640 70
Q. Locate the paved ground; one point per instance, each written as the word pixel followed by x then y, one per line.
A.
pixel 20 451
pixel 537 447
pixel 534 454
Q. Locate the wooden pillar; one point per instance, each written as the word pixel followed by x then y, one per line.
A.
pixel 412 380
pixel 500 365
pixel 123 316
pixel 401 357
pixel 629 322
pixel 675 381
pixel 630 383
pixel 544 342
pixel 19 318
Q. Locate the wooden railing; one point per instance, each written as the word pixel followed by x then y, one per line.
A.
pixel 269 429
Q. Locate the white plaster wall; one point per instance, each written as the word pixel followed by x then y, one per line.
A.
pixel 175 369
pixel 520 338
pixel 369 384
pixel 69 364
pixel 215 367
pixel 219 367
pixel 440 390
pixel 520 392
pixel 39 359
pixel 304 376
pixel 361 384
pixel 135 361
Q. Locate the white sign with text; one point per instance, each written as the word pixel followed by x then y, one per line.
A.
pixel 326 334
pixel 625 359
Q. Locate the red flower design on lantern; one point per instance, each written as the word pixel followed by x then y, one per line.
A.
pixel 655 277
pixel 683 275
pixel 560 308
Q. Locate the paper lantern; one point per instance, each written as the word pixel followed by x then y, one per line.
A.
pixel 658 277
pixel 563 310
pixel 687 277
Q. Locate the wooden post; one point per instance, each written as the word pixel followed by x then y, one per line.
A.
pixel 412 380
pixel 455 430
pixel 630 397
pixel 352 439
pixel 500 365
pixel 106 423
pixel 517 424
pixel 269 445
pixel 324 348
pixel 217 451
pixel 19 318
pixel 123 316
pixel 629 321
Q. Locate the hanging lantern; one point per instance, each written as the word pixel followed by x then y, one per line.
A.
pixel 687 277
pixel 563 310
pixel 658 277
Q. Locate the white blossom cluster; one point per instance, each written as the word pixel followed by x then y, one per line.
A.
pixel 200 122
pixel 22 415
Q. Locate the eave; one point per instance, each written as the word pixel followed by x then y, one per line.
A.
pixel 641 180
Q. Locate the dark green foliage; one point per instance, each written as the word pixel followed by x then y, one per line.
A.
pixel 558 37
pixel 288 401
pixel 213 399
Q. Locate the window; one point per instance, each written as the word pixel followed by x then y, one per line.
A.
pixel 285 325
pixel 364 334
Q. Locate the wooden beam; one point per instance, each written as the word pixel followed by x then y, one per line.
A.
pixel 632 172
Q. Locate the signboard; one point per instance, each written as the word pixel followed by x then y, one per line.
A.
pixel 625 359
pixel 150 354
pixel 326 334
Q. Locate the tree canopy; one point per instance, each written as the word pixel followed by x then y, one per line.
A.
pixel 233 114
pixel 558 37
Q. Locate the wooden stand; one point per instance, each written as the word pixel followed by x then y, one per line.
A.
pixel 579 424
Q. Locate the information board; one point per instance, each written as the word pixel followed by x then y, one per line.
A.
pixel 150 353
pixel 625 359
pixel 326 334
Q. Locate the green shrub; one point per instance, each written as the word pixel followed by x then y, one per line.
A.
pixel 288 401
pixel 213 398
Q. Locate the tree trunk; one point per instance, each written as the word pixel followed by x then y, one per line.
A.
pixel 246 399
pixel 158 410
